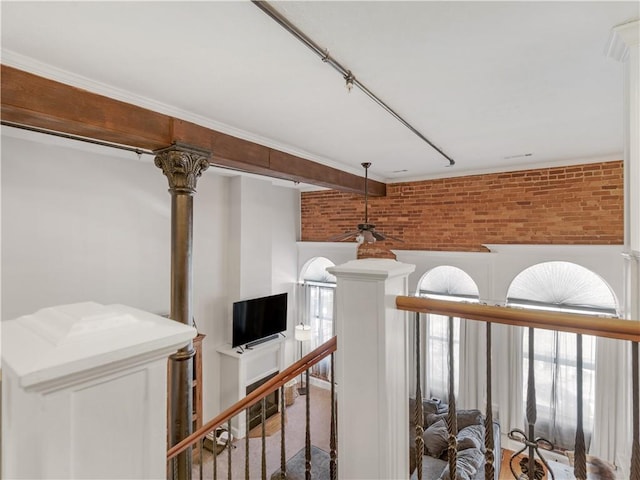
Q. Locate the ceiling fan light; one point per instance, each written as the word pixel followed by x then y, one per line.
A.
pixel 368 236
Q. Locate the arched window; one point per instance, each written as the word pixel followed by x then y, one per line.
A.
pixel 444 283
pixel 318 288
pixel 565 287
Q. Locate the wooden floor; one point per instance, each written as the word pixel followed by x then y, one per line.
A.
pixel 271 426
pixel 505 470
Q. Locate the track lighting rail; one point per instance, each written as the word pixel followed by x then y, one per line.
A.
pixel 346 73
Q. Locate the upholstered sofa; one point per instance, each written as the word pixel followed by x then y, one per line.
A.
pixel 471 450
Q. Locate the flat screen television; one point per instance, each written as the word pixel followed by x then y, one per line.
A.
pixel 259 318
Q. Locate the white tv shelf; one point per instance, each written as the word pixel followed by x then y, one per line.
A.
pixel 239 370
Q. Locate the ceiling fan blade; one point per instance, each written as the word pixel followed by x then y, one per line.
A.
pixel 387 237
pixel 342 236
pixel 396 239
pixel 378 236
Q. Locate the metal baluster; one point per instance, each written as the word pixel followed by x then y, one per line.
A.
pixel 229 449
pixel 283 450
pixel 418 411
pixel 635 448
pixel 532 412
pixel 489 468
pixel 529 466
pixel 264 439
pixel 307 442
pixel 333 470
pixel 246 446
pixel 580 462
pixel 452 422
pixel 214 457
pixel 174 467
pixel 201 450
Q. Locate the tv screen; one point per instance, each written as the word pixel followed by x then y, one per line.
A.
pixel 257 318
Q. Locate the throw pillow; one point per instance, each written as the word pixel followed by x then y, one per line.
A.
pixel 463 417
pixel 471 437
pixel 428 407
pixel 433 418
pixel 435 438
pixel 468 417
pixel 465 443
pixel 467 465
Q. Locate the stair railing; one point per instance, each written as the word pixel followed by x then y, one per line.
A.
pixel 259 395
pixel 626 330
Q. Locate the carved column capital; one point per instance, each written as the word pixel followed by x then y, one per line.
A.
pixel 182 166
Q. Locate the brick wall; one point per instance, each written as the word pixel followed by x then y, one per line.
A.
pixel 580 204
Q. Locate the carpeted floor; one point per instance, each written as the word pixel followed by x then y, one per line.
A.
pixel 320 408
pixel 297 466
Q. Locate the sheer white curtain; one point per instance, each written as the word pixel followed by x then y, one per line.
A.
pixel 473 362
pixel 469 347
pixel 320 316
pixel 555 365
pixel 611 438
pixel 436 357
pixel 469 351
pixel 507 372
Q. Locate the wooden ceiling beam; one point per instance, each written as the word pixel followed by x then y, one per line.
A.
pixel 38 102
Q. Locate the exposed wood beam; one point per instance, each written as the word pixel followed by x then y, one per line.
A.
pixel 35 101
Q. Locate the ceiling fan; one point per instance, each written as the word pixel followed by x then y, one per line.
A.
pixel 366 232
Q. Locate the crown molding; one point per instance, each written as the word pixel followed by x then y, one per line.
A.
pixel 622 38
pixel 511 168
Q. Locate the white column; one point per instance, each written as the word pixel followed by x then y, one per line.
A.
pixel 84 392
pixel 372 370
pixel 624 46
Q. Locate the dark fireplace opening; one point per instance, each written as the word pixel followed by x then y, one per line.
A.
pixel 271 403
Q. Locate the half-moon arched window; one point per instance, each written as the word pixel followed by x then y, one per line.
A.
pixel 315 270
pixel 318 288
pixel 562 286
pixel 566 287
pixel 445 283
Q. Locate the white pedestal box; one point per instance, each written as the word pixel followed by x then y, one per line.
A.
pixel 84 392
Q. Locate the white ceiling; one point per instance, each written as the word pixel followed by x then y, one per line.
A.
pixel 487 82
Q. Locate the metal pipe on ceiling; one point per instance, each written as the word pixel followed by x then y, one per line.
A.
pixel 70 136
pixel 346 73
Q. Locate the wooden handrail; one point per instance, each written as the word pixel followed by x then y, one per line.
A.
pixel 616 328
pixel 258 394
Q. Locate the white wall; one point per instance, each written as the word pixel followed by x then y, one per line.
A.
pixel 82 222
pixel 250 230
pixel 286 232
pixel 81 225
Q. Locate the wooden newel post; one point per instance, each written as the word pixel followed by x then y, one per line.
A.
pixel 182 166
